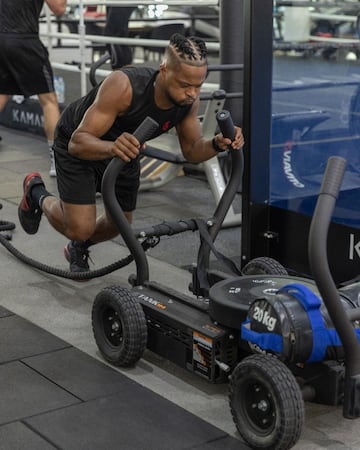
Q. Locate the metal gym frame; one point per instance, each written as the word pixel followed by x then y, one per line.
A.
pixel 268 230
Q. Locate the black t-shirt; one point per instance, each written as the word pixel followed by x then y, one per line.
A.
pixel 20 16
pixel 142 105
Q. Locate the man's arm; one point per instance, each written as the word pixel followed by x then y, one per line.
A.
pixel 112 100
pixel 194 146
pixel 57 6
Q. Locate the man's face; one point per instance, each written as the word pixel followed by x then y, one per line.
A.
pixel 183 83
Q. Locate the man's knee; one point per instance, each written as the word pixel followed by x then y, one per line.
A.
pixel 79 232
pixel 79 221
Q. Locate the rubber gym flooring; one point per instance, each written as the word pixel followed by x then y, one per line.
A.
pixel 55 389
pixel 54 396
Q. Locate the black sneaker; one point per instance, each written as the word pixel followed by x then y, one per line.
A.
pixel 77 256
pixel 29 212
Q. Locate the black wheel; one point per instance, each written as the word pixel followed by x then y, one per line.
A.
pixel 266 403
pixel 264 266
pixel 119 326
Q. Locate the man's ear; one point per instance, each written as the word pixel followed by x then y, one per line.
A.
pixel 163 69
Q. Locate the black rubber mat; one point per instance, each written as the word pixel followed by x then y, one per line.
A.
pixel 80 374
pixel 134 419
pixel 20 338
pixel 4 312
pixel 24 393
pixel 16 436
pixel 55 396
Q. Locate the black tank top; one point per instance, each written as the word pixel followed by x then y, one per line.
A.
pixel 20 16
pixel 142 105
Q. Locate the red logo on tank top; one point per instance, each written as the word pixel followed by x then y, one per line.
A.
pixel 166 125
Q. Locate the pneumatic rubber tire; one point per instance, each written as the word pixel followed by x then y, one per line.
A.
pixel 266 403
pixel 119 326
pixel 264 266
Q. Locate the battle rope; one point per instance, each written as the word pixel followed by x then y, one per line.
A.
pixel 6 226
pixel 150 238
pixel 4 240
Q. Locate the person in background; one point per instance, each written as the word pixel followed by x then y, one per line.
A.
pixel 117 25
pixel 99 127
pixel 25 68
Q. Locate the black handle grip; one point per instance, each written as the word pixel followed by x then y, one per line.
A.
pixel 334 175
pixel 226 124
pixel 146 129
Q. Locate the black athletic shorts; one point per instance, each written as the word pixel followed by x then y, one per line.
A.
pixel 24 66
pixel 78 180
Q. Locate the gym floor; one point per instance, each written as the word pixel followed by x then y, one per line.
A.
pixel 56 390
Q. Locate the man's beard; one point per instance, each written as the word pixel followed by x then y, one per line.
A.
pixel 177 103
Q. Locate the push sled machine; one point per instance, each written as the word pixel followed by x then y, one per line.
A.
pixel 278 340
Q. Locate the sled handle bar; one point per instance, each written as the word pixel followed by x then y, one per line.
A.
pixel 324 208
pixel 144 132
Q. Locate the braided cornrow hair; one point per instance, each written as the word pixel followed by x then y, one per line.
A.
pixel 188 50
